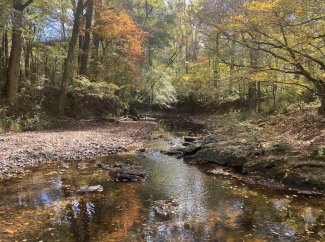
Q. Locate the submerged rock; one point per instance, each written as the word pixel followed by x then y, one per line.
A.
pixel 127 171
pixel 190 139
pixel 173 152
pixel 220 171
pixel 89 189
pixel 165 208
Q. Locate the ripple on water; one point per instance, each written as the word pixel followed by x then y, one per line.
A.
pixel 45 205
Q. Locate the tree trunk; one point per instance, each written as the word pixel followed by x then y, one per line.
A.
pixel 321 95
pixel 216 62
pixel 28 53
pixel 68 65
pixel 86 43
pixel 259 97
pixel 96 42
pixel 80 43
pixel 6 48
pixel 3 63
pixel 274 91
pixel 14 60
pixel 252 95
pixel 12 85
pixel 321 109
pixel 232 66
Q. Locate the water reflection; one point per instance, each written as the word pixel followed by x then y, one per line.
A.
pixel 75 208
pixel 45 206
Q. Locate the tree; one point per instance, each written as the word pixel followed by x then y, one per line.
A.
pixel 87 39
pixel 121 47
pixel 68 65
pixel 4 44
pixel 16 49
pixel 290 35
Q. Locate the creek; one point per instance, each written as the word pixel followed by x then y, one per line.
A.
pixel 45 206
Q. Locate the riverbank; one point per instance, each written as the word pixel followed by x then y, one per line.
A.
pixel 49 204
pixel 288 147
pixel 89 139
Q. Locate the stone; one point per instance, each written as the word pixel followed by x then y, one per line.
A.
pixel 258 165
pixel 280 148
pixel 127 175
pixel 192 149
pixel 127 171
pixel 210 155
pixel 165 208
pixel 190 138
pixel 186 143
pixel 90 189
pixel 306 176
pixel 232 156
pixel 173 152
pixel 219 171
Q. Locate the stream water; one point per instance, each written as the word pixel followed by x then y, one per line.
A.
pixel 44 206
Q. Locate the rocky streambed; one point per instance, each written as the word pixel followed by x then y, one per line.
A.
pixel 24 150
pixel 258 152
pixel 277 162
pixel 152 196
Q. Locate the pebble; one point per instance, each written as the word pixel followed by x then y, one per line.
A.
pixel 19 150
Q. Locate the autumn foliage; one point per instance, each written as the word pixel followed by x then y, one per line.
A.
pixel 122 39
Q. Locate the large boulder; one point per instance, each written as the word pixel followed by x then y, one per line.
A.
pixel 210 155
pixel 228 153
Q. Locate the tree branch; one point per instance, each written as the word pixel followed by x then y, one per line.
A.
pixel 29 2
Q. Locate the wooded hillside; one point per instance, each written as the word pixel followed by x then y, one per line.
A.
pixel 95 57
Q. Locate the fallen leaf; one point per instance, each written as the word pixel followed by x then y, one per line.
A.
pixel 9 231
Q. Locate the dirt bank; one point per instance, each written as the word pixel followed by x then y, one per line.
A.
pixel 90 139
pixel 287 147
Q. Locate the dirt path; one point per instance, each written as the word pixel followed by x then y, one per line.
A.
pixel 20 150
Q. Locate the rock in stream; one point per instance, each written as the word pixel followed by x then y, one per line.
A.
pixel 90 189
pixel 165 208
pixel 127 171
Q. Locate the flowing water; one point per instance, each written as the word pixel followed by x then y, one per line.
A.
pixel 44 206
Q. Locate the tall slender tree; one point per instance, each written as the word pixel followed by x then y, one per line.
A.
pixel 12 85
pixel 84 59
pixel 68 64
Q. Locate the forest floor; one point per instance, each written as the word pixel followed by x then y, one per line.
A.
pixel 302 130
pixel 285 146
pixel 87 140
